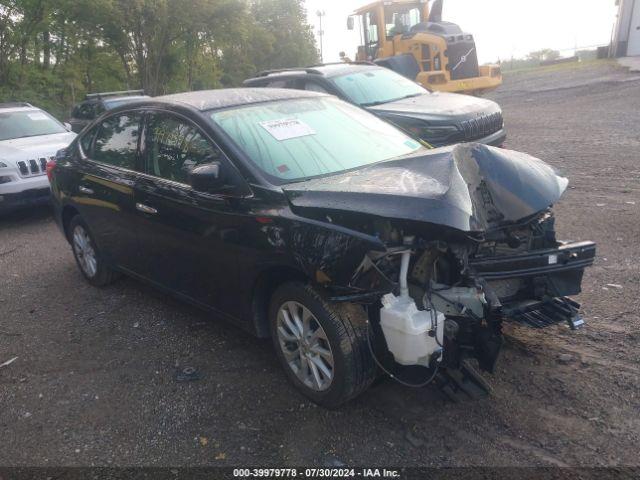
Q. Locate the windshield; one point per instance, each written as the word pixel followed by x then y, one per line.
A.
pixel 297 139
pixel 373 87
pixel 400 18
pixel 27 123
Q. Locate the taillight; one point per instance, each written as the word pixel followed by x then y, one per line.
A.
pixel 51 164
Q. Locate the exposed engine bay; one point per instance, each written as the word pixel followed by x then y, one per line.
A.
pixel 450 299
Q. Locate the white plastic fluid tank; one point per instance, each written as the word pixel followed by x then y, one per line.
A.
pixel 406 330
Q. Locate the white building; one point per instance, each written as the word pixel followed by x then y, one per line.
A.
pixel 626 36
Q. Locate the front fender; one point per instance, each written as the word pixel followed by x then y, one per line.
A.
pixel 329 254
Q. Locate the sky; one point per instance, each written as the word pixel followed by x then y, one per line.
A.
pixel 502 28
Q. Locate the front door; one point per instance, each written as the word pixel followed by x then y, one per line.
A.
pixel 188 239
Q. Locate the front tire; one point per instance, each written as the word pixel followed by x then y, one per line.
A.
pixel 88 257
pixel 322 346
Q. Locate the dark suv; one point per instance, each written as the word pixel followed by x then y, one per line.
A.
pixel 95 104
pixel 304 218
pixel 438 118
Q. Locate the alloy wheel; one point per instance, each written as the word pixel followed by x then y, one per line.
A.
pixel 305 346
pixel 84 251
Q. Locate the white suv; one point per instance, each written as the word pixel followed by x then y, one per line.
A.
pixel 29 138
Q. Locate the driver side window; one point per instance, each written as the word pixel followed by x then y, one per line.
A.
pixel 174 147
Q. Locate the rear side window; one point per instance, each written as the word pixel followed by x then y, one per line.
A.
pixel 175 147
pixel 86 111
pixel 315 87
pixel 277 84
pixel 116 142
pixel 282 83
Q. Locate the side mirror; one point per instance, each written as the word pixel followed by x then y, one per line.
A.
pixel 350 23
pixel 207 178
pixel 68 126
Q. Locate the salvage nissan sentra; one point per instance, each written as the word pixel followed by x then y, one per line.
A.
pixel 308 220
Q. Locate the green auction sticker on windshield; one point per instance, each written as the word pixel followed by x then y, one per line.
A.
pixel 287 128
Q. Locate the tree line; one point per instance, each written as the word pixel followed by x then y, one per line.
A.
pixel 53 52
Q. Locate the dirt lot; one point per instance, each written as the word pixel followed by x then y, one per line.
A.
pixel 95 383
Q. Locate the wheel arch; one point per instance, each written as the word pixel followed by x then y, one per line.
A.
pixel 264 286
pixel 68 212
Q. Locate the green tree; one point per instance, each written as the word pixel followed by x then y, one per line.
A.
pixel 544 55
pixel 293 43
pixel 53 52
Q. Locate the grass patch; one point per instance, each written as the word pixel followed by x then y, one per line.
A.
pixel 560 67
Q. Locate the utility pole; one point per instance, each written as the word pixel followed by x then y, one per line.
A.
pixel 320 14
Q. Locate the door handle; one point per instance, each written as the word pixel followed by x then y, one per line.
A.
pixel 146 208
pixel 86 190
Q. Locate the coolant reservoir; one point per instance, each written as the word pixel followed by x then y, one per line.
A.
pixel 406 330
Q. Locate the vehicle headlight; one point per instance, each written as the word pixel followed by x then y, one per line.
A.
pixel 432 133
pixel 3 165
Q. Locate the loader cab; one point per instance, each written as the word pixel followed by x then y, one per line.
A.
pixel 380 22
pixel 410 37
pixel 399 19
pixel 389 30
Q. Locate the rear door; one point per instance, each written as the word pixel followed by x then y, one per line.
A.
pixel 105 186
pixel 188 239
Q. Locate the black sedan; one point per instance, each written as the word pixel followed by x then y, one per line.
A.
pixel 306 219
pixel 438 118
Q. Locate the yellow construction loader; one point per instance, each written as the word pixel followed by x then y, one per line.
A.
pixel 411 39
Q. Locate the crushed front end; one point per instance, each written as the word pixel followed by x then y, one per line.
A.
pixel 466 241
pixel 518 273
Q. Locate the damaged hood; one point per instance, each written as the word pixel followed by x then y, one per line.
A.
pixel 469 187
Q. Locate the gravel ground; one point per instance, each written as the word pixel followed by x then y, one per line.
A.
pixel 95 379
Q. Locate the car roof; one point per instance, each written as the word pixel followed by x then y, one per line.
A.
pixel 328 70
pixel 233 97
pixel 336 69
pixel 18 108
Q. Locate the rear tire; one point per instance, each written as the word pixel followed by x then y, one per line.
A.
pixel 327 358
pixel 88 257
